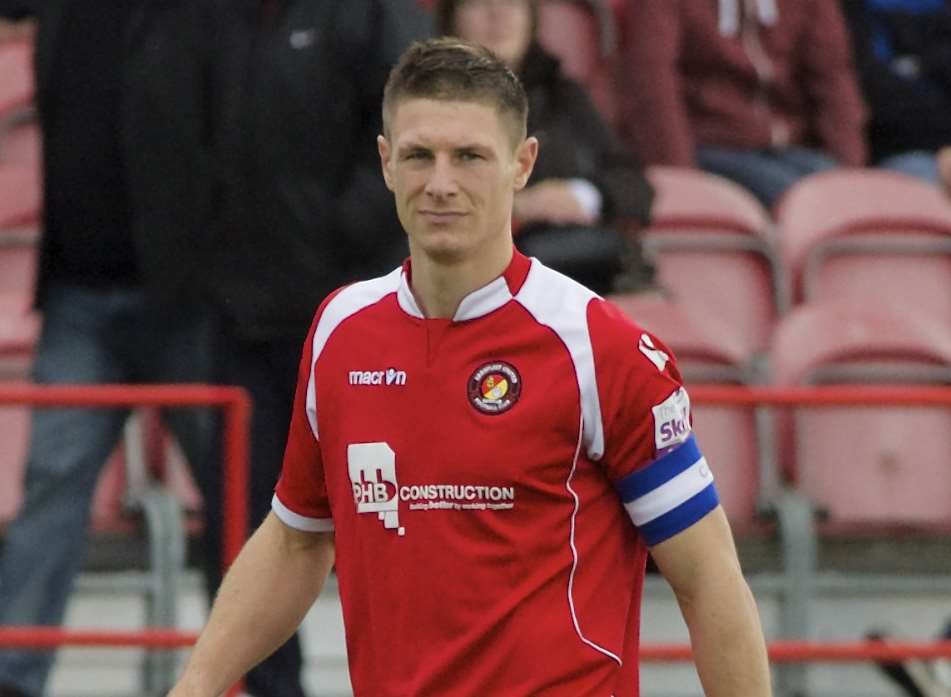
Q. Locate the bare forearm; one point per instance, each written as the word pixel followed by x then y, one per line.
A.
pixel 727 640
pixel 702 567
pixel 262 601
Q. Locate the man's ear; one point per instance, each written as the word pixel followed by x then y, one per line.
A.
pixel 525 157
pixel 383 147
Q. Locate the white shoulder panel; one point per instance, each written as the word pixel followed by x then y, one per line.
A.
pixel 346 303
pixel 557 302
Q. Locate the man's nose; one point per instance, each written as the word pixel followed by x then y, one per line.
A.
pixel 442 178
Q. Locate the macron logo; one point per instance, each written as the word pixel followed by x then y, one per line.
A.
pixel 390 376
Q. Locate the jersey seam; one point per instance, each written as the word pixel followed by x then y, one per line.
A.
pixel 575 557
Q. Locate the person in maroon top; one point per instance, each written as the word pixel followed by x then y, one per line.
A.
pixel 760 91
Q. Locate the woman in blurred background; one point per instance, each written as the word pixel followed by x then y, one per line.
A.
pixel 587 191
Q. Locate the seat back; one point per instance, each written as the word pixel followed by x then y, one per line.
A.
pixel 727 435
pixel 21 145
pixel 17 266
pixel 868 236
pixel 881 465
pixel 19 196
pixel 16 75
pixel 712 245
pixel 19 332
pixel 14 437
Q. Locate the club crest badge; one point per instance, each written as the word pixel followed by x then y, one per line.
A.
pixel 495 387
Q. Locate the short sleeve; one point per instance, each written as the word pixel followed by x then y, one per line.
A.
pixel 650 452
pixel 300 498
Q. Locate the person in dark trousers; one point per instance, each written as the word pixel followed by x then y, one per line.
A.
pixel 300 205
pixel 126 184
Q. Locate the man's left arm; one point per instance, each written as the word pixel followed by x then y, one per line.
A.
pixel 702 567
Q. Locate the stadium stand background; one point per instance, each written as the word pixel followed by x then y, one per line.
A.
pixel 842 515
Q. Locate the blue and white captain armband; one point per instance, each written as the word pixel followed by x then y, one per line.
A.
pixel 670 494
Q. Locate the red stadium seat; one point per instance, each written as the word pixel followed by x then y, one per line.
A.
pixel 19 196
pixel 147 455
pixel 582 34
pixel 16 75
pixel 20 145
pixel 109 507
pixel 17 266
pixel 728 435
pixel 712 243
pixel 868 465
pixel 868 235
pixel 19 331
pixel 14 435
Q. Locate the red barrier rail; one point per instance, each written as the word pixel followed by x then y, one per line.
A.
pixel 233 401
pixel 822 396
pixel 237 408
pixel 779 651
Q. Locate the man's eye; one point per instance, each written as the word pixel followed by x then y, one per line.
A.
pixel 469 156
pixel 415 155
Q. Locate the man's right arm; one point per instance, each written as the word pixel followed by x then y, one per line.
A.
pixel 262 601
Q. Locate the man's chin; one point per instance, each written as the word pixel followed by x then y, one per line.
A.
pixel 444 250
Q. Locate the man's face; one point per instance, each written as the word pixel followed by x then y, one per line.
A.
pixel 454 168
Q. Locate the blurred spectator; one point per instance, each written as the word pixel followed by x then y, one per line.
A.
pixel 586 185
pixel 903 56
pixel 760 91
pixel 120 257
pixel 301 206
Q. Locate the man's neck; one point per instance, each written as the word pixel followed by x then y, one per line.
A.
pixel 440 287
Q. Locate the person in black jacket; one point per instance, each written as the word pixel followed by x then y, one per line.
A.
pixel 902 52
pixel 587 191
pixel 125 188
pixel 300 206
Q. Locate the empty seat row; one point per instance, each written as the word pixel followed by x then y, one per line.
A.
pixel 861 234
pixel 875 465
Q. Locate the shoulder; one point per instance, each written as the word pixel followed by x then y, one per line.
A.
pixel 584 320
pixel 554 299
pixel 347 302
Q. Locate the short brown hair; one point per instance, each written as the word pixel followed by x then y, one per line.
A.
pixel 451 69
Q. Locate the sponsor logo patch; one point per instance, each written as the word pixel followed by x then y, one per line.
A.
pixel 377 493
pixel 672 421
pixel 495 387
pixel 388 377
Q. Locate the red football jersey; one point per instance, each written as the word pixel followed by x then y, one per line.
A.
pixel 481 475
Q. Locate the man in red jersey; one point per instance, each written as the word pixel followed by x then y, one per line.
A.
pixel 489 448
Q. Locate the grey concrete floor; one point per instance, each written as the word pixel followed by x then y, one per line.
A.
pixel 842 616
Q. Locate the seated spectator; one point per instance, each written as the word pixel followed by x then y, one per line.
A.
pixel 902 53
pixel 586 185
pixel 762 92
